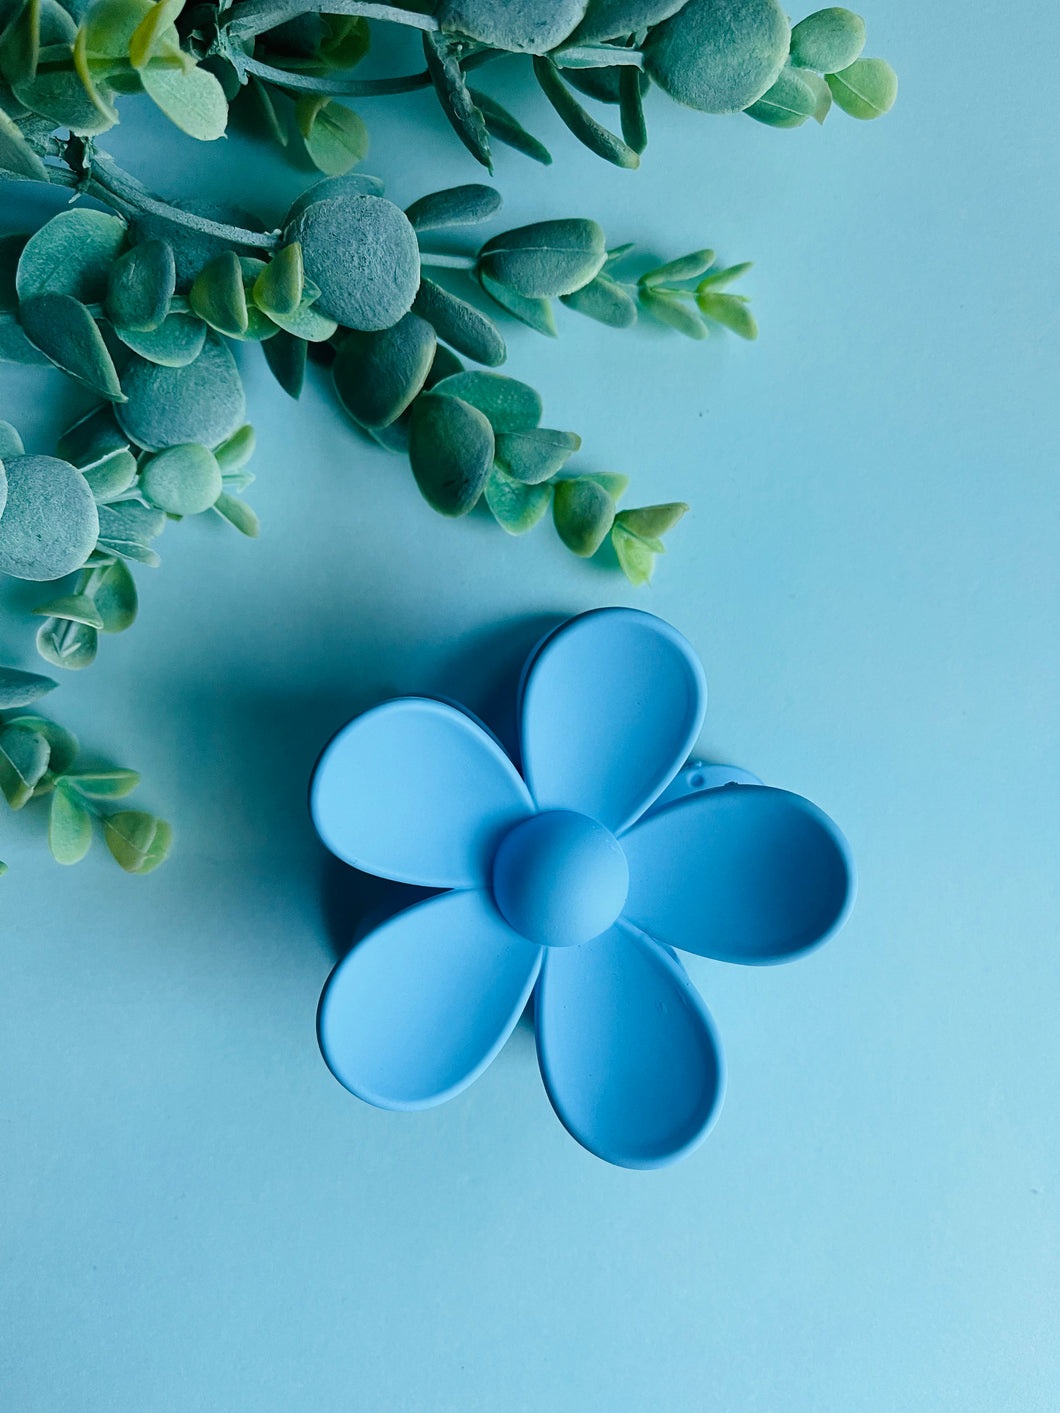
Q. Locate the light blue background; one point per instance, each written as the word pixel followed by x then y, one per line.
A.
pixel 195 1218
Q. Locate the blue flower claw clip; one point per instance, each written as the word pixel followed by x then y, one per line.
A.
pixel 577 877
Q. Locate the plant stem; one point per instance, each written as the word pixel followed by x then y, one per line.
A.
pixel 256 16
pixel 596 56
pixel 349 88
pixel 448 262
pixel 110 184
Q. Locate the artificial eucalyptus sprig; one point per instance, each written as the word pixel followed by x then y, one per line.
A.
pixel 289 61
pixel 140 307
pixel 39 758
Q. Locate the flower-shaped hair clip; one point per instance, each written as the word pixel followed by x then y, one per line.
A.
pixel 575 877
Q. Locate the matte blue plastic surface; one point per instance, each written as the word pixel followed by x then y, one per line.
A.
pixel 415 790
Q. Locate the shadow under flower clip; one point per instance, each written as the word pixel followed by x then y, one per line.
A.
pixel 576 877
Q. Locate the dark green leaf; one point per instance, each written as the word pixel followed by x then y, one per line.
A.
pixel 20 689
pixel 110 477
pixel 176 342
pixel 62 328
pixel 501 125
pixel 545 259
pixel 535 454
pixel 280 286
pixel 631 110
pixel 68 645
pixel 451 451
pixel 583 125
pixel 71 254
pixel 719 55
pixel 509 405
pixel 218 297
pixel 286 356
pixel 519 26
pixel 141 285
pixel 615 19
pixel 201 402
pixel 10 445
pixel 115 597
pixel 377 375
pixel 460 324
pixel 456 206
pixel 353 184
pixel 443 65
pixel 50 522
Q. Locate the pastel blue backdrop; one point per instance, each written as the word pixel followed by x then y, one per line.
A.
pixel 195 1218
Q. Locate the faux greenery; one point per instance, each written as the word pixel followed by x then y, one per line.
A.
pixel 140 301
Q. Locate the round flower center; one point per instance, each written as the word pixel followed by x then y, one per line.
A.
pixel 559 878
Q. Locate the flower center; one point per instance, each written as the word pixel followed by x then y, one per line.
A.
pixel 560 878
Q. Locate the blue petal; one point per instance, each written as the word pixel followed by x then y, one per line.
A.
pixel 421 1006
pixel 611 705
pixel 416 791
pixel 627 1050
pixel 743 874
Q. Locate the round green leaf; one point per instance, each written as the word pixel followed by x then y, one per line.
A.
pixel 508 404
pixel 50 522
pixel 192 249
pixel 451 451
pixel 867 89
pixel 546 258
pixel 615 19
pixel 176 342
pixel 62 744
pixel 69 827
pixel 516 507
pixel 10 445
pixel 604 300
pixel 583 512
pixel 335 136
pixel 193 99
pixel 828 40
pixel 138 841
pixel 719 55
pixel 62 327
pixel 281 285
pixel 110 477
pixel 74 608
pixel 24 755
pixel 236 450
pixel 377 375
pixel 535 454
pixel 60 94
pixel 20 689
pixel 66 644
pixel 520 26
pixel 115 597
pixel 787 104
pixel 362 253
pixel 456 206
pixel 128 527
pixel 286 357
pixel 71 254
pixel 182 480
pixel 353 184
pixel 201 402
pixel 141 285
pixel 217 295
pixel 460 324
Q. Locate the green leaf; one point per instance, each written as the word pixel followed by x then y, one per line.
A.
pixel 236 450
pixel 182 480
pixel 103 784
pixel 507 404
pixel 685 267
pixel 651 522
pixel 456 206
pixel 108 26
pixel 377 375
pixel 92 437
pixel 867 89
pixel 443 65
pixel 451 452
pixel 128 528
pixel 306 323
pixel 192 249
pixel 604 300
pixel 362 253
pixel 669 309
pixel 585 128
pixel 730 310
pixel 176 342
pixel 500 124
pixel 50 522
pixel 336 138
pixel 631 109
pixel 636 559
pixel 239 514
pixel 583 513
pixel 74 608
pixel 354 184
pixel 264 117
pixel 537 313
pixel 519 26
pixel 193 99
pixel 286 356
pixel 20 42
pixel 535 454
pixel 615 485
pixel 721 279
pixel 788 103
pixel 17 157
pixel 516 507
pixel 138 841
pixel 60 94
pixel 142 282
pixel 280 286
pixel 69 827
pixel 719 56
pixel 460 324
pixel 62 745
pixel 822 93
pixel 65 644
pixel 155 34
pixel 545 259
pixel 10 445
pixel 218 297
pixel 115 597
pixel 20 689
pixel 110 477
pixel 828 40
pixel 615 19
pixel 71 254
pixel 201 402
pixel 24 757
pixel 445 365
pixel 62 328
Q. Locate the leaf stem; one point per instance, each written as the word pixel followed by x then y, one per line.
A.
pixel 256 16
pixel 110 184
pixel 349 88
pixel 448 262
